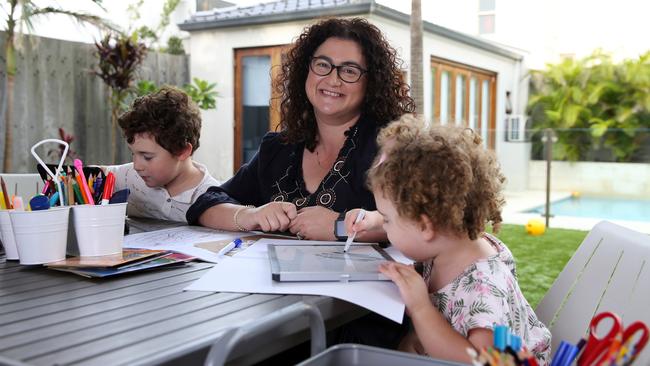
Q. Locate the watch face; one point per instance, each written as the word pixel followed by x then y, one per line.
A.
pixel 340 229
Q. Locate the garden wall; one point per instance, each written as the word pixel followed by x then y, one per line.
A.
pixel 596 178
pixel 55 87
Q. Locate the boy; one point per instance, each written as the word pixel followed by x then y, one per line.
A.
pixel 163 131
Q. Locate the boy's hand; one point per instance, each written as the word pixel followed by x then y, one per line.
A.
pixel 314 223
pixel 411 285
pixel 372 221
pixel 273 216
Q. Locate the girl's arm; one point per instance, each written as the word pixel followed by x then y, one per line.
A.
pixel 435 334
pixel 369 229
pixel 440 340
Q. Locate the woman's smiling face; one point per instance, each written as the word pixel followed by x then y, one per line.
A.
pixel 329 95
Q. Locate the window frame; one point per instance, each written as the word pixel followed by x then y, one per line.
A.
pixel 441 65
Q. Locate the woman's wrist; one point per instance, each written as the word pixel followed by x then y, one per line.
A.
pixel 237 218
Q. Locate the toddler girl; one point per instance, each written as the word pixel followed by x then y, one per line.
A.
pixel 436 189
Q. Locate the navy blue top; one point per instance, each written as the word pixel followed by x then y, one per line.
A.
pixel 275 174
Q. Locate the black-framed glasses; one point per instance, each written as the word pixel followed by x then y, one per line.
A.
pixel 348 73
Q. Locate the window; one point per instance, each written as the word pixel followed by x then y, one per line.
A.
pixel 486 5
pixel 486 16
pixel 464 95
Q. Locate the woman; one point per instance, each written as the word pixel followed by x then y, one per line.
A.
pixel 340 83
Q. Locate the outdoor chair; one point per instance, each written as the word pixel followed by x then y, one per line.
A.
pixel 610 271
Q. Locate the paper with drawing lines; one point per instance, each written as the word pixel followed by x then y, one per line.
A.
pixel 183 239
pixel 250 271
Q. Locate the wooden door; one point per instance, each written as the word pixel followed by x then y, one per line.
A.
pixel 257 105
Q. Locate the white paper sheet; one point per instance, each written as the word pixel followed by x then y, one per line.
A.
pixel 249 271
pixel 182 239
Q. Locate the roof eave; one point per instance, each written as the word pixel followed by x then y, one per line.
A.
pixel 351 9
pixel 347 10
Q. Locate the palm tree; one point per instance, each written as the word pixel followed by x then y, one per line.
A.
pixel 417 85
pixel 28 11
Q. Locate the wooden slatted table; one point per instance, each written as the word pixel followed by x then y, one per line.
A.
pixel 52 318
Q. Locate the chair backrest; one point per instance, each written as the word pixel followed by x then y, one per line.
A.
pixel 24 184
pixel 610 271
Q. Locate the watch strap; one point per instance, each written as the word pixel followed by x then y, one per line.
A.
pixel 341 218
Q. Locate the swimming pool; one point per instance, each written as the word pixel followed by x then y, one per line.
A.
pixel 600 207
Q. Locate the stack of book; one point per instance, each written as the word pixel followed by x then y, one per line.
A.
pixel 130 260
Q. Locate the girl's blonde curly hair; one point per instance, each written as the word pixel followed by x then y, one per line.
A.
pixel 441 172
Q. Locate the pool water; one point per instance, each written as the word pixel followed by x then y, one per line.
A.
pixel 601 208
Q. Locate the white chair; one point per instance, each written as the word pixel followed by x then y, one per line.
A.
pixel 610 271
pixel 220 350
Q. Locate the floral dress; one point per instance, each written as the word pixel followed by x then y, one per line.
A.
pixel 487 294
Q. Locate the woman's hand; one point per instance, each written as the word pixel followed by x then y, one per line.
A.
pixel 411 285
pixel 273 216
pixel 314 223
pixel 372 221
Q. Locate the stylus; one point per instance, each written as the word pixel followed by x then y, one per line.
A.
pixel 360 216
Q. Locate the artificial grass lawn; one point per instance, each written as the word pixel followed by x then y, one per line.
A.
pixel 539 259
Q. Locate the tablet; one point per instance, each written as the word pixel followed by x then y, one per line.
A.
pixel 327 262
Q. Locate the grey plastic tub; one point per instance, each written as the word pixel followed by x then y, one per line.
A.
pixel 360 355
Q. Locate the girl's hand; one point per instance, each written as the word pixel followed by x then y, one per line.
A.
pixel 372 221
pixel 273 216
pixel 411 285
pixel 314 223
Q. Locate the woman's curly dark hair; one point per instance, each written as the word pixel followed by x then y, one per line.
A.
pixel 169 115
pixel 443 173
pixel 387 95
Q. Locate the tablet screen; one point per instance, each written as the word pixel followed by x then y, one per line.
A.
pixel 326 262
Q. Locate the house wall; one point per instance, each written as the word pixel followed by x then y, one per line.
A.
pixel 513 156
pixel 216 63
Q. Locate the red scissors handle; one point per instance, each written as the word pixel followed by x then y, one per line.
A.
pixel 632 330
pixel 596 347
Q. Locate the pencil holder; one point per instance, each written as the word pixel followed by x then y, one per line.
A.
pixel 40 235
pixel 99 228
pixel 7 236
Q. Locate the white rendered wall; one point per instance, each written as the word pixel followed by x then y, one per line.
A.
pixel 212 58
pixel 512 156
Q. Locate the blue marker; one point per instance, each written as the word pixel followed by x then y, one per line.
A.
pixel 232 245
pixel 500 337
pixel 39 202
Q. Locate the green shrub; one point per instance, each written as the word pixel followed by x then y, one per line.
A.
pixel 593 104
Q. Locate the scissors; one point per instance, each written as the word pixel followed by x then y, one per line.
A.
pixel 599 350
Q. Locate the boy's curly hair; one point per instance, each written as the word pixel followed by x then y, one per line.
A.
pixel 442 172
pixel 387 95
pixel 169 115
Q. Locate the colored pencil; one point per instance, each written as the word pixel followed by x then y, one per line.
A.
pixel 5 194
